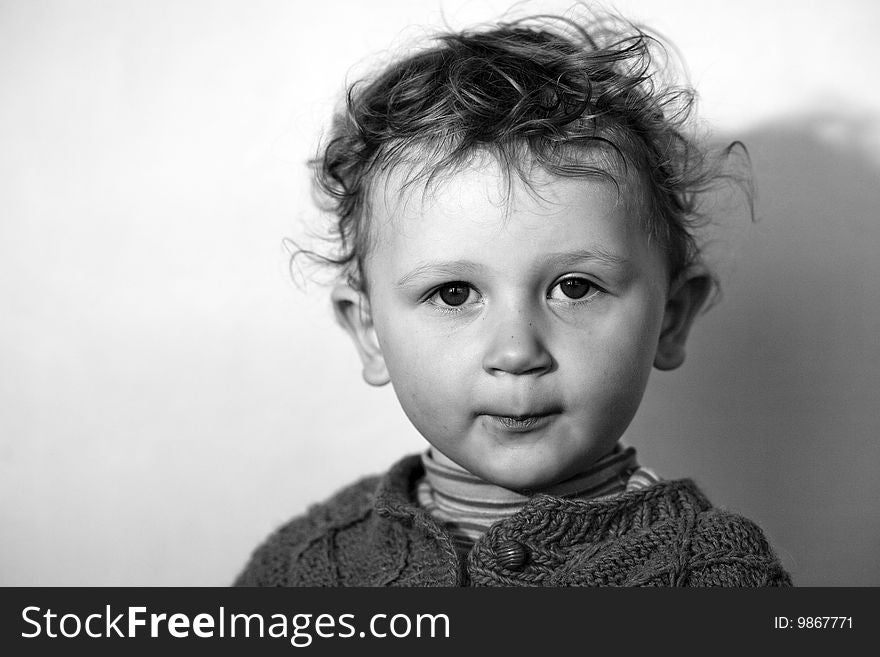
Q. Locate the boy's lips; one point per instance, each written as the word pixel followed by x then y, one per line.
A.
pixel 520 423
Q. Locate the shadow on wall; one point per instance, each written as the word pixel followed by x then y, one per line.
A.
pixel 782 383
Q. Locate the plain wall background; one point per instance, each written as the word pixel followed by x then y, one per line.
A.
pixel 168 396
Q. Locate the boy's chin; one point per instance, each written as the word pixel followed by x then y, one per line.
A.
pixel 527 481
pixel 526 471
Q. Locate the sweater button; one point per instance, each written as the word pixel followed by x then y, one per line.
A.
pixel 512 555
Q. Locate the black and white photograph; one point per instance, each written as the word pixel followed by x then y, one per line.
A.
pixel 439 293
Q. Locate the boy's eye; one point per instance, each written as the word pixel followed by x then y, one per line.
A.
pixel 575 287
pixel 453 294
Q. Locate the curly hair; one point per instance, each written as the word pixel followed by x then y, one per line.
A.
pixel 578 99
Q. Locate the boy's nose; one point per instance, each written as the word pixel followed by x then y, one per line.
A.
pixel 516 347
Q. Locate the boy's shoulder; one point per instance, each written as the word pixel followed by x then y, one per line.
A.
pixel 305 551
pixel 719 547
pixel 271 563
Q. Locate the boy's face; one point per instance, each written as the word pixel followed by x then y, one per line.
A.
pixel 518 330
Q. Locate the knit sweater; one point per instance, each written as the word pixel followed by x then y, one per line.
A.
pixel 373 533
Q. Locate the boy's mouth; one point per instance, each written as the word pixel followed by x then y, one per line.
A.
pixel 520 423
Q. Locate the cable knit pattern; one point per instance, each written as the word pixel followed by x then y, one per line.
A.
pixel 373 533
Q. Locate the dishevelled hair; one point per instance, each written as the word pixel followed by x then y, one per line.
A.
pixel 576 98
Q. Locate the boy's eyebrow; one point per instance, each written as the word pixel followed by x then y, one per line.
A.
pixel 570 258
pixel 453 269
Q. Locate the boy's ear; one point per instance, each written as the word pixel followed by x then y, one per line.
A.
pixel 352 310
pixel 686 297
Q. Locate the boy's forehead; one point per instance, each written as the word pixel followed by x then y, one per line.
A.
pixel 410 189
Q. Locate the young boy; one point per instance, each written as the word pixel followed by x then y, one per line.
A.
pixel 515 212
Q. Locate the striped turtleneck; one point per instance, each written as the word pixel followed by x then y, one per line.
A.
pixel 467 506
